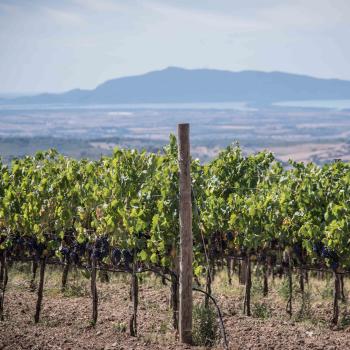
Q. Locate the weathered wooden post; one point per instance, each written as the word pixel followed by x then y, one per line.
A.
pixel 40 289
pixel 94 290
pixel 186 244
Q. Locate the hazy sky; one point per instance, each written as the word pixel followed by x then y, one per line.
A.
pixel 58 45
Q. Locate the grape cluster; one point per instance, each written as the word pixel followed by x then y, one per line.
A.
pixel 116 256
pixel 77 250
pixel 299 253
pixel 216 245
pixel 19 241
pixel 65 252
pixel 127 257
pixel 74 257
pixel 143 235
pixel 327 253
pixel 317 248
pixel 17 246
pixel 101 248
pixel 298 250
pixel 229 236
pixel 332 257
pixel 274 243
pixel 35 247
pixel 262 256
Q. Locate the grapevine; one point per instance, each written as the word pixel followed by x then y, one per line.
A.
pixel 120 213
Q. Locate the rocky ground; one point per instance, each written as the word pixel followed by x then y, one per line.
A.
pixel 65 317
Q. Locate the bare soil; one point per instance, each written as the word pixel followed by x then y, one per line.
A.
pixel 65 318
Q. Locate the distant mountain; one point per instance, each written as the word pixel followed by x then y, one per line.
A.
pixel 174 84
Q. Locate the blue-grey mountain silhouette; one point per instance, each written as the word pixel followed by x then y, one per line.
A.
pixel 173 85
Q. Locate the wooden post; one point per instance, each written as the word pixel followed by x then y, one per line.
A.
pixel 40 289
pixel 248 285
pixel 65 274
pixel 94 291
pixel 186 244
pixel 34 269
pixel 3 282
pixel 229 270
pixel 135 301
pixel 335 298
pixel 266 277
pixel 290 286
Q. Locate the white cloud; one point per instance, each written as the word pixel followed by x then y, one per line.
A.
pixel 295 15
pixel 205 18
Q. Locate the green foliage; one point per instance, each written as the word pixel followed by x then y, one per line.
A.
pixel 327 291
pixel 205 330
pixel 131 199
pixel 345 320
pixel 283 290
pixel 304 311
pixel 257 286
pixel 120 327
pixel 76 290
pixel 261 310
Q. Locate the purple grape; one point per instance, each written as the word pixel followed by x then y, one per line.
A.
pixel 229 236
pixel 116 256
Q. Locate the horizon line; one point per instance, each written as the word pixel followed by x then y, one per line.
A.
pixel 15 94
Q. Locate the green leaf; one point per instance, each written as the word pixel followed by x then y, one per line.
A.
pixel 143 255
pixel 154 258
pixel 198 270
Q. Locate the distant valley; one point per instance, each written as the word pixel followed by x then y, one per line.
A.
pixel 295 116
pixel 303 134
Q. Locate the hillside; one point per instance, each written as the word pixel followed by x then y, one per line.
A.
pixel 174 84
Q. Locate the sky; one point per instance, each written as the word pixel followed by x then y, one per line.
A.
pixel 52 46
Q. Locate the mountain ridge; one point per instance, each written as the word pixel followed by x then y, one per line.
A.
pixel 181 85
